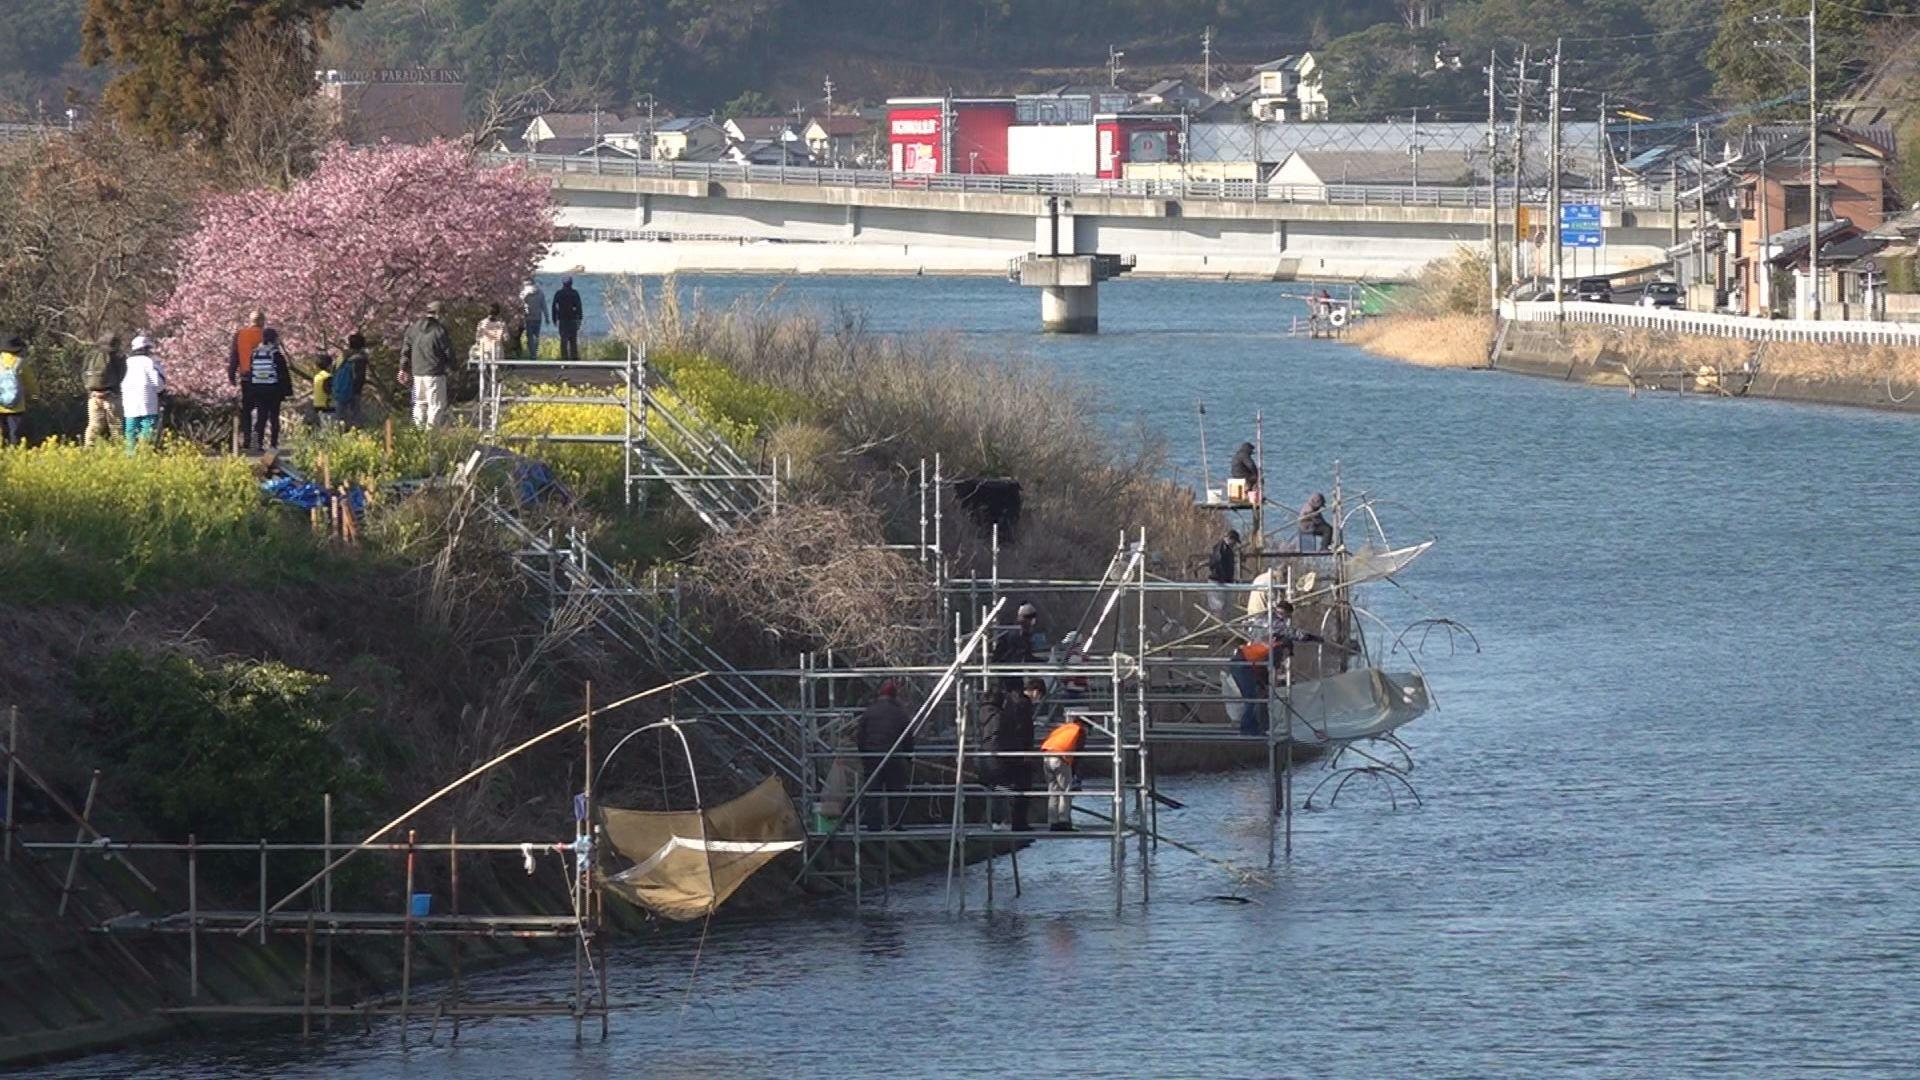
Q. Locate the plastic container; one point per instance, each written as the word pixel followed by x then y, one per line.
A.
pixel 1215 496
pixel 422 905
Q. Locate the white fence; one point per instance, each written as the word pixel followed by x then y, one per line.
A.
pixel 1234 190
pixel 1712 324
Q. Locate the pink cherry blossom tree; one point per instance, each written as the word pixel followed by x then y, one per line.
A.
pixel 361 245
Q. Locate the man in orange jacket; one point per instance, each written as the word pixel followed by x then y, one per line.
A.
pixel 1061 743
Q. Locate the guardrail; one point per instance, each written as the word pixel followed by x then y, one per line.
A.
pixel 1470 198
pixel 1714 324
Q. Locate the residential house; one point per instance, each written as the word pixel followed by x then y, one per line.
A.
pixel 590 126
pixel 1774 198
pixel 834 140
pixel 767 152
pixel 1174 95
pixel 405 106
pixel 1319 168
pixel 748 129
pixel 688 138
pixel 1286 90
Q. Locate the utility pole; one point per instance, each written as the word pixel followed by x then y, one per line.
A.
pixel 1606 149
pixel 1813 151
pixel 827 126
pixel 1553 186
pixel 1700 208
pixel 1414 150
pixel 1759 260
pixel 1493 182
pixel 1673 192
pixel 1206 62
pixel 1113 66
pixel 1519 160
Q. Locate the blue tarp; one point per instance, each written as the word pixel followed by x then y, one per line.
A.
pixel 310 496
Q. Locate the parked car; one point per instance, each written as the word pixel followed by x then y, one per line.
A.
pixel 1595 290
pixel 1662 294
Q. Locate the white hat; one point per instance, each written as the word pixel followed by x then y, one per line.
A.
pixel 141 343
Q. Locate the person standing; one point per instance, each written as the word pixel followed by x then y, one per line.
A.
pixel 533 314
pixel 270 378
pixel 323 376
pixel 105 368
pixel 881 725
pixel 567 315
pixel 1012 742
pixel 348 379
pixel 16 391
pixel 1062 744
pixel 240 349
pixel 1243 477
pixel 427 359
pixel 490 336
pixel 140 390
pixel 1223 568
pixel 1021 643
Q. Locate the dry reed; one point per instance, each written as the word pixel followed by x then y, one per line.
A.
pixel 1455 341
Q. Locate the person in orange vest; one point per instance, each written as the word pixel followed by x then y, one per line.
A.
pixel 1250 665
pixel 1061 743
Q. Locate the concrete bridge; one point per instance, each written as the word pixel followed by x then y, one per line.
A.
pixel 775 219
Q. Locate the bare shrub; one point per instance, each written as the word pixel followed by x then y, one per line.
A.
pixel 817 576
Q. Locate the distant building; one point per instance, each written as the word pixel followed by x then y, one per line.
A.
pixel 545 133
pixel 747 129
pixel 767 152
pixel 688 138
pixel 1319 168
pixel 411 105
pixel 1176 95
pixel 1775 204
pixel 1287 90
pixel 834 140
pixel 949 135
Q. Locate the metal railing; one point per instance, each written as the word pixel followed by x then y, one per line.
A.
pixel 1222 190
pixel 1715 324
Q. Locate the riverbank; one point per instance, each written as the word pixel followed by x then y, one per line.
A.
pixel 1859 376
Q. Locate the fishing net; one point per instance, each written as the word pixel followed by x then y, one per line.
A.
pixel 687 863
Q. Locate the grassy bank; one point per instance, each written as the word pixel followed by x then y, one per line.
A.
pixel 1450 341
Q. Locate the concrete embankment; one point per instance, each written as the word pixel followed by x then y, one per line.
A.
pixel 1872 377
pixel 658 257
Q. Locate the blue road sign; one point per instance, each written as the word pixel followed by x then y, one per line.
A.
pixel 1580 225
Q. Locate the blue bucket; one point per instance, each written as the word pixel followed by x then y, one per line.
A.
pixel 422 905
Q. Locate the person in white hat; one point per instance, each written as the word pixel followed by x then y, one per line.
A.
pixel 140 390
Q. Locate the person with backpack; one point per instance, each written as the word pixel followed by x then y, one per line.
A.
pixel 269 382
pixel 348 378
pixel 426 361
pixel 105 368
pixel 140 390
pixel 568 313
pixel 16 390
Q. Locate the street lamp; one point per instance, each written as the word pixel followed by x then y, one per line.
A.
pixel 972 157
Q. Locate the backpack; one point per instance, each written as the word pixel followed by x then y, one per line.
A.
pixel 9 386
pixel 265 368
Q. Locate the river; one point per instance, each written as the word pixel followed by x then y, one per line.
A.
pixel 1669 809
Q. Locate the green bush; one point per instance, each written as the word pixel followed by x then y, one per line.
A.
pixel 235 751
pixel 99 524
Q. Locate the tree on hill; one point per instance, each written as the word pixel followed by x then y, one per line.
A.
pixel 172 58
pixel 360 245
pixel 1743 73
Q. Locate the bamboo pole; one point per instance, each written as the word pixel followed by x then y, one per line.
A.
pixel 477 770
pixel 326 905
pixel 306 985
pixel 193 916
pixel 406 944
pixel 453 888
pixel 79 834
pixel 13 756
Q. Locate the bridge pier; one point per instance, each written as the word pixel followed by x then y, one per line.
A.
pixel 1069 287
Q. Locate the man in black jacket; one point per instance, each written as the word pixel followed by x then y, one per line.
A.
pixel 567 314
pixel 882 724
pixel 269 381
pixel 1011 737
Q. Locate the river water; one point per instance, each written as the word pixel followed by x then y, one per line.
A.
pixel 1669 809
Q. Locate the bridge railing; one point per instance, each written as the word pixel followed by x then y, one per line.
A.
pixel 1230 190
pixel 1715 324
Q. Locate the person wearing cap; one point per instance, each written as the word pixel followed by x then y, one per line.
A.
pixel 1019 644
pixel 1061 744
pixel 16 390
pixel 1011 738
pixel 1316 532
pixel 568 313
pixel 1257 662
pixel 426 361
pixel 1243 476
pixel 140 390
pixel 106 366
pixel 880 726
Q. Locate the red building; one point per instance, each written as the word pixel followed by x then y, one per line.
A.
pixel 949 135
pixel 1147 139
